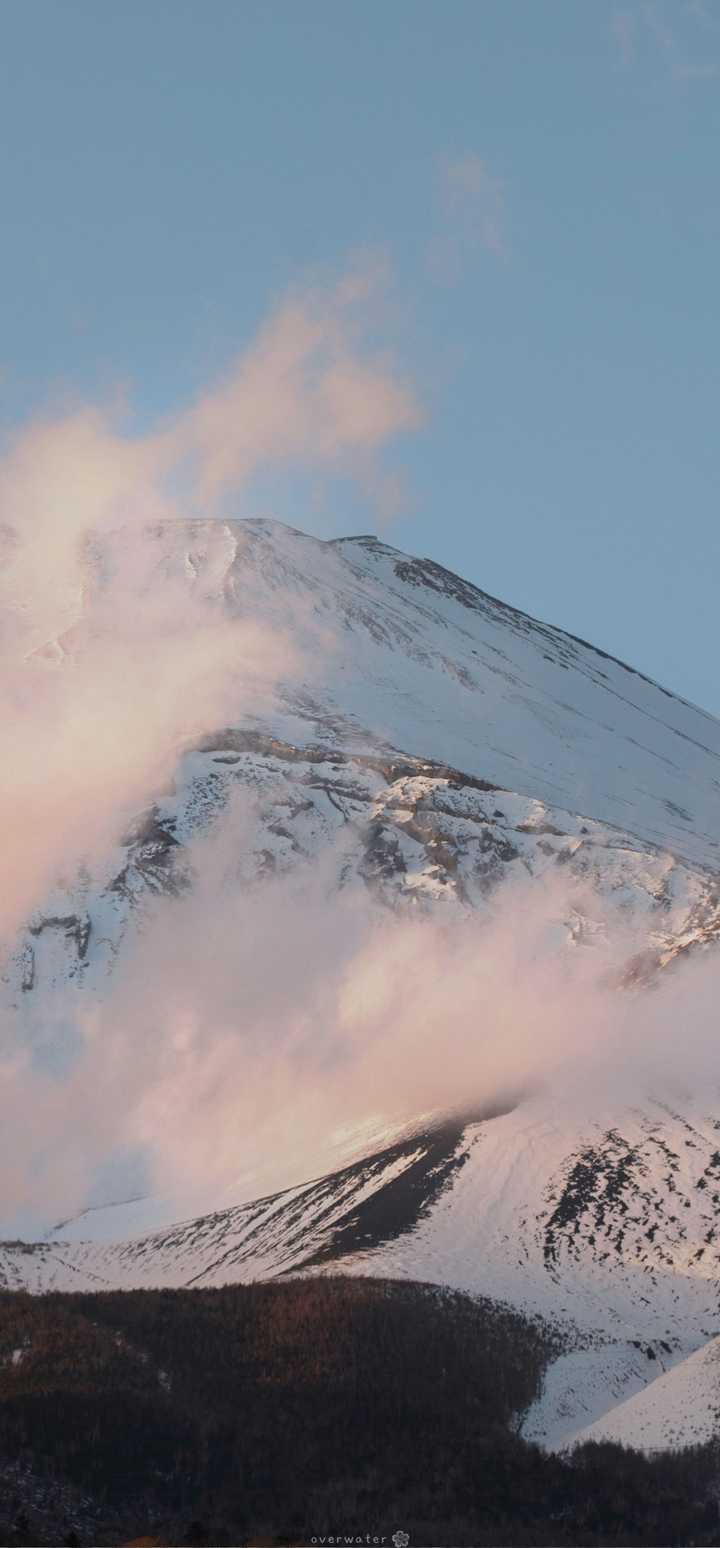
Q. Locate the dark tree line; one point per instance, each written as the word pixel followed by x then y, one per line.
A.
pixel 278 1412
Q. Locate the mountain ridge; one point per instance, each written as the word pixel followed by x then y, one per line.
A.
pixel 426 564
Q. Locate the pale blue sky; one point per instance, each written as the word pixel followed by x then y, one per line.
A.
pixel 542 176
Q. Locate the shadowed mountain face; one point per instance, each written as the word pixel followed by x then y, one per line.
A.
pixel 430 746
pixel 362 1207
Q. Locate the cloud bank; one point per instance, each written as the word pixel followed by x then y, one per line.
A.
pixel 251 1026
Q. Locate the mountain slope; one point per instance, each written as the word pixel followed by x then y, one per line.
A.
pixel 578 1226
pixel 432 744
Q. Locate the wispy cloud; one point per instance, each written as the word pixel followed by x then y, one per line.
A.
pixel 471 205
pixel 642 32
pixel 306 393
pixel 624 30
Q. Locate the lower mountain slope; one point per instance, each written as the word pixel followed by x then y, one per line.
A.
pixel 609 1233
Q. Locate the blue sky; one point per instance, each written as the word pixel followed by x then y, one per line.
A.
pixel 540 178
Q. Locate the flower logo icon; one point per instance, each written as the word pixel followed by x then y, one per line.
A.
pixel 400 1539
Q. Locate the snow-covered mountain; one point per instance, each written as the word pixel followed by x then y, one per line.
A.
pixel 434 744
pixel 458 741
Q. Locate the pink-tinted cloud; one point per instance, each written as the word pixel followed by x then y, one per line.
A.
pixel 105 666
pixel 251 1023
pixel 306 393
